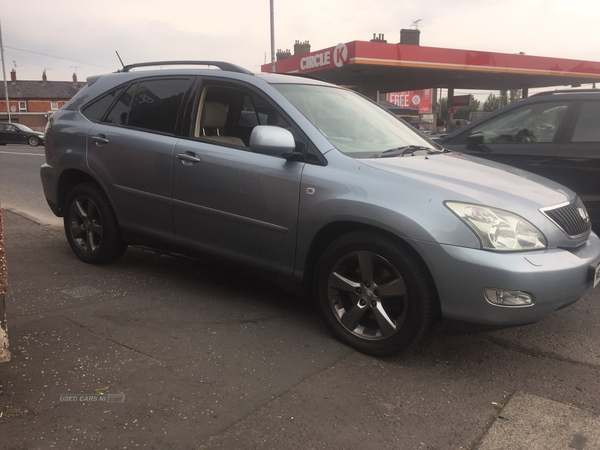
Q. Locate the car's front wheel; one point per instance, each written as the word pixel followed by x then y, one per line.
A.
pixel 91 225
pixel 374 294
pixel 33 141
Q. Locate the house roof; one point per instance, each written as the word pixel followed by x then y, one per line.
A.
pixel 34 90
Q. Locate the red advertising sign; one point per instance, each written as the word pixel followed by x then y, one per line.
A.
pixel 418 100
pixel 461 100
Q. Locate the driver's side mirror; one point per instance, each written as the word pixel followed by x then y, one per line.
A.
pixel 272 140
pixel 475 141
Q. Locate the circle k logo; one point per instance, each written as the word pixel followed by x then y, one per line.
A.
pixel 340 55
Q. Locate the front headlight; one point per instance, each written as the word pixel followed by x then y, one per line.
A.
pixel 498 229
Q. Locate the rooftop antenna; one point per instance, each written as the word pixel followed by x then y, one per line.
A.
pixel 416 24
pixel 76 67
pixel 120 58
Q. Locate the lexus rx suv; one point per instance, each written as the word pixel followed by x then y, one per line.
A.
pixel 320 188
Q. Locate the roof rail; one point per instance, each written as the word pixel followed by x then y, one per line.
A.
pixel 220 64
pixel 565 91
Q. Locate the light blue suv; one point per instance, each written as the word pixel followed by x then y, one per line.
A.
pixel 323 190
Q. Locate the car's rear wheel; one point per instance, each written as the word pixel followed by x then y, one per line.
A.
pixel 33 141
pixel 374 294
pixel 91 225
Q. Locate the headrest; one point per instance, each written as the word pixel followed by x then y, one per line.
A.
pixel 214 115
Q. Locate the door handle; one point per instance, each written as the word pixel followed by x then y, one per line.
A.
pixel 100 139
pixel 188 158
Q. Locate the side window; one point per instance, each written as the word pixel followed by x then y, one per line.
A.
pixel 118 113
pixel 156 104
pixel 587 128
pixel 228 114
pixel 528 124
pixel 96 110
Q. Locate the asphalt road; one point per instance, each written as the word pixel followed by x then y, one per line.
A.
pixel 20 184
pixel 208 358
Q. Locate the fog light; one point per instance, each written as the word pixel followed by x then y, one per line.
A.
pixel 508 298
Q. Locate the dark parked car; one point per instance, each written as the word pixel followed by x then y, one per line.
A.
pixel 321 189
pixel 15 133
pixel 553 134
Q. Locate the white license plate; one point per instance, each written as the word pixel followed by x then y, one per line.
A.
pixel 597 275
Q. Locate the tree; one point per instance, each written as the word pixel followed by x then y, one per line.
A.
pixel 495 102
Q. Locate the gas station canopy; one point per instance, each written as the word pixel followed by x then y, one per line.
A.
pixel 379 66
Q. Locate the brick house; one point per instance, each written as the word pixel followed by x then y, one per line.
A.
pixel 32 102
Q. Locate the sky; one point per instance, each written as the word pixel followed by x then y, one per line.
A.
pixel 64 37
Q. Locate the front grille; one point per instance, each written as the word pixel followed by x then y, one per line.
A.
pixel 573 218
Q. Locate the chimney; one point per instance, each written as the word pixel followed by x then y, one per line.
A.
pixel 301 48
pixel 410 37
pixel 13 76
pixel 44 78
pixel 74 78
pixel 283 54
pixel 380 38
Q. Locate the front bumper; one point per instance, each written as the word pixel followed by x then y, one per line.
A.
pixel 554 278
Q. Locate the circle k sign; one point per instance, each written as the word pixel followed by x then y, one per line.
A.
pixel 340 55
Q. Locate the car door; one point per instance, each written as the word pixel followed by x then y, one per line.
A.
pixel 228 200
pixel 14 135
pixel 3 137
pixel 526 137
pixel 579 158
pixel 131 153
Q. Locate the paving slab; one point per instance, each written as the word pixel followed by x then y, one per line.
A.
pixel 529 422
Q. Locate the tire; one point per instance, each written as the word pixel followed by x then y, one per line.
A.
pixel 33 141
pixel 91 226
pixel 374 294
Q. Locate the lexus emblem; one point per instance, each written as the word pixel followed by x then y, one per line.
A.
pixel 584 215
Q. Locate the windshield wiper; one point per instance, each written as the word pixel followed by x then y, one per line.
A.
pixel 404 150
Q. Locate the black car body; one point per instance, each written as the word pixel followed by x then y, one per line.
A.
pixel 553 134
pixel 15 133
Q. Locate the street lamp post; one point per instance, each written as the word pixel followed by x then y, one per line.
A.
pixel 4 73
pixel 272 38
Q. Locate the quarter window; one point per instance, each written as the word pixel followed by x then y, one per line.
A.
pixel 96 110
pixel 587 128
pixel 529 124
pixel 120 110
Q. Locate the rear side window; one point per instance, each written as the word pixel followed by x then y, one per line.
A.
pixel 156 104
pixel 95 112
pixel 587 128
pixel 118 113
pixel 150 105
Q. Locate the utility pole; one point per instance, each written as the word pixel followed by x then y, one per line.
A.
pixel 4 73
pixel 272 38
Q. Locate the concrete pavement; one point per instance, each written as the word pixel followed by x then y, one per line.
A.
pixel 196 356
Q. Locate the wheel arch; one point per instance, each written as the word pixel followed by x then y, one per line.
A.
pixel 335 230
pixel 68 180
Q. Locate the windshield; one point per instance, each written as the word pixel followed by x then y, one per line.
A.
pixel 354 125
pixel 24 128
